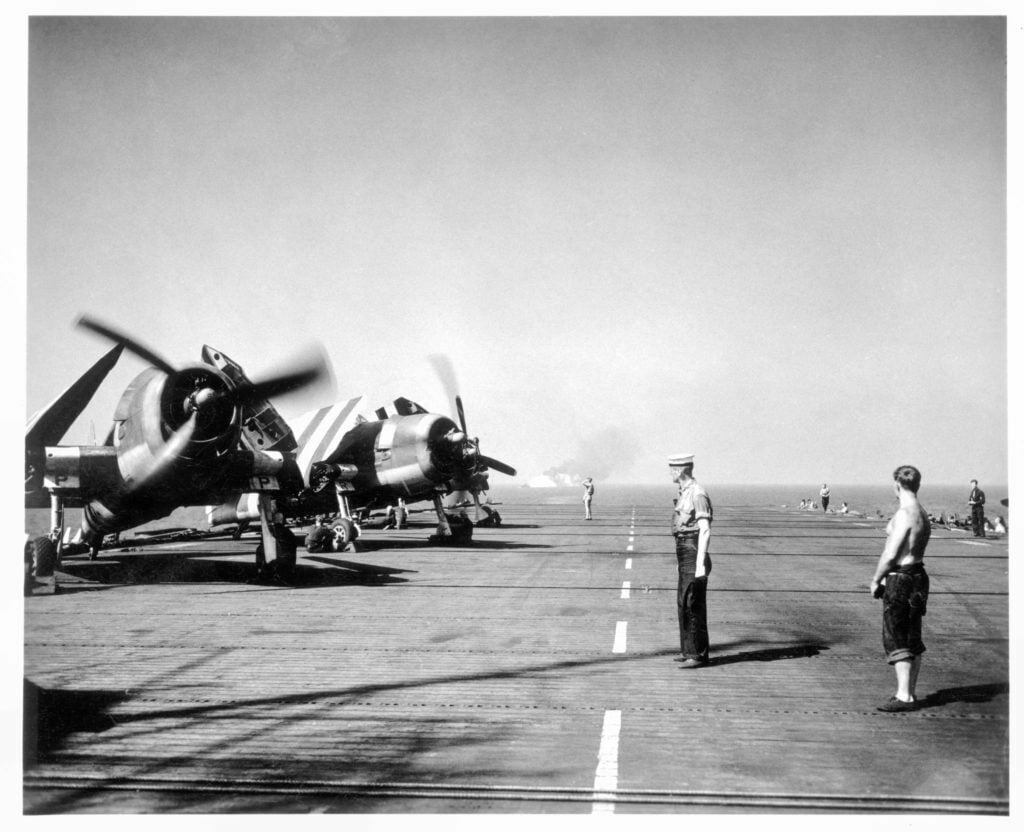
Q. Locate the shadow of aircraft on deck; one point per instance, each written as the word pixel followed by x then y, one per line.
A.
pixel 477 545
pixel 91 707
pixel 373 574
pixel 191 567
pixel 52 715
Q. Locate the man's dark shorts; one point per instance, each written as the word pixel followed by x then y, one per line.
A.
pixel 903 606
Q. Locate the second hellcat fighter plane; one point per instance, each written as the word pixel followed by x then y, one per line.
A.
pixel 351 463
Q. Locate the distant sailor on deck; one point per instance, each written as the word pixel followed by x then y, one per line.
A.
pixel 976 500
pixel 691 526
pixel 904 592
pixel 824 494
pixel 588 495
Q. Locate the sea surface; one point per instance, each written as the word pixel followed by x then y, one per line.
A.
pixel 866 499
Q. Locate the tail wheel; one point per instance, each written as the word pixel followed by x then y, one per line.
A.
pixel 345 531
pixel 44 556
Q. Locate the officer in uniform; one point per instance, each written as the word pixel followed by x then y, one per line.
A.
pixel 976 500
pixel 691 526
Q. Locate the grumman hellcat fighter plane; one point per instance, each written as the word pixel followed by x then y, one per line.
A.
pixel 351 463
pixel 174 442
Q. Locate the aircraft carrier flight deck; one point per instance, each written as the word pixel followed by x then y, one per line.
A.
pixel 529 672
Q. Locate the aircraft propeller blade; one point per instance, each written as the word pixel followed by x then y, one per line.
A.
pixel 168 454
pixel 129 343
pixel 442 365
pixel 497 465
pixel 306 372
pixel 462 414
pixel 310 369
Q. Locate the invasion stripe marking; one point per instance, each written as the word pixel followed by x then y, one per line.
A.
pixel 332 432
pixel 606 778
pixel 313 450
pixel 620 637
pixel 307 450
pixel 312 426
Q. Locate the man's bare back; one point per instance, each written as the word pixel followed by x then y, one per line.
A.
pixel 908 531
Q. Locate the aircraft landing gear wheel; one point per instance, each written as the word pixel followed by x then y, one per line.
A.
pixel 44 557
pixel 345 532
pixel 40 561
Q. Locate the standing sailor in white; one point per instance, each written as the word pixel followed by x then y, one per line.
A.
pixel 691 525
pixel 588 495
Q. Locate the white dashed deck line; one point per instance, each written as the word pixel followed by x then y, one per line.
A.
pixel 625 589
pixel 629 548
pixel 629 563
pixel 606 778
pixel 619 646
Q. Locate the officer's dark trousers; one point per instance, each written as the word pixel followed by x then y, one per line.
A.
pixel 978 520
pixel 692 601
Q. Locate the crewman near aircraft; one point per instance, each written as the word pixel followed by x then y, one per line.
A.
pixel 320 537
pixel 588 495
pixel 691 526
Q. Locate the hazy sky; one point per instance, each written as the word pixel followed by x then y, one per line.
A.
pixel 777 243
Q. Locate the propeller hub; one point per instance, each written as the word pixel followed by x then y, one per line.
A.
pixel 199 399
pixel 200 392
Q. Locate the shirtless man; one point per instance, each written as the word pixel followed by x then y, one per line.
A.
pixel 902 583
